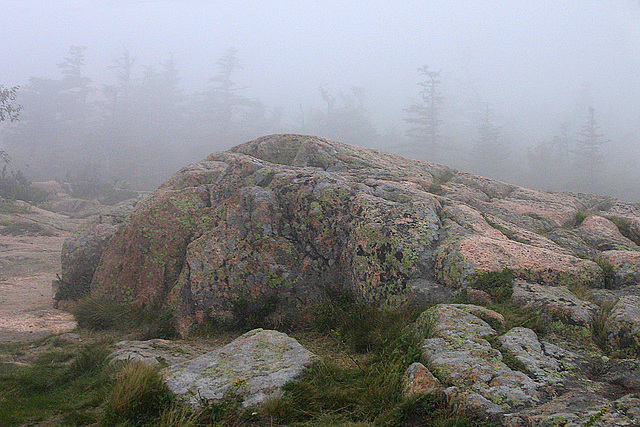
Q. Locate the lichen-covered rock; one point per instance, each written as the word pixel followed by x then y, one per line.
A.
pixel 419 381
pixel 625 265
pixel 81 253
pixel 556 302
pixel 460 356
pixel 252 368
pixel 524 345
pixel 155 352
pixel 604 235
pixel 552 386
pixel 284 216
pixel 623 325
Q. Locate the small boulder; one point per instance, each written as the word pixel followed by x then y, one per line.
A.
pixel 252 368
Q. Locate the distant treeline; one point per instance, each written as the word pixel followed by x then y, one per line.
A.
pixel 143 126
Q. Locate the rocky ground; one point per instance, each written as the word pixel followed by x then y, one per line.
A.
pixel 30 243
pixel 283 217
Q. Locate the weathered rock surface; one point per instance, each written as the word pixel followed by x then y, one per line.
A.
pixel 284 215
pixel 82 252
pixel 155 352
pixel 623 325
pixel 558 303
pixel 252 368
pixel 552 387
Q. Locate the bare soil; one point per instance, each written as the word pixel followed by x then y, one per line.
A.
pixel 29 262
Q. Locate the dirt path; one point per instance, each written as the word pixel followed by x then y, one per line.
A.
pixel 29 262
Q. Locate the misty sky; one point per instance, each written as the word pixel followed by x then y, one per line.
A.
pixel 528 58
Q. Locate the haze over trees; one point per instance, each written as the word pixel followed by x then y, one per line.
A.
pixel 142 125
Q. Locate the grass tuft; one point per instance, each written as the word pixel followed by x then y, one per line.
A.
pixel 138 395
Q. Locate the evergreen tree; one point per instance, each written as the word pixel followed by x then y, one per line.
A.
pixel 490 154
pixel 424 116
pixel 587 154
pixel 345 118
pixel 549 161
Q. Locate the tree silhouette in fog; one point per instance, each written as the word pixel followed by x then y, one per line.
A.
pixel 490 152
pixel 424 116
pixel 588 158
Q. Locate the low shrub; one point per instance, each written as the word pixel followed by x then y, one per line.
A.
pixel 15 186
pixel 253 311
pixel 608 271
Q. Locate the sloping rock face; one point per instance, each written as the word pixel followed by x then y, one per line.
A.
pixel 283 216
pixel 253 367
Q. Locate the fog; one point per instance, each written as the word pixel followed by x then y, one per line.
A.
pixel 544 94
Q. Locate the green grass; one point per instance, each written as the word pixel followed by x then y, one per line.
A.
pixel 358 379
pixel 56 381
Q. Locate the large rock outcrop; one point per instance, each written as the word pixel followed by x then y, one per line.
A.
pixel 283 216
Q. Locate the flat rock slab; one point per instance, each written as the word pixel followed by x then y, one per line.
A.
pixel 156 352
pixel 252 368
pixel 556 301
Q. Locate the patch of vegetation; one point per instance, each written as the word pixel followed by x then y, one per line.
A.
pixel 14 186
pixel 579 218
pixel 20 228
pixel 138 395
pixel 498 284
pixel 609 273
pixel 9 207
pixel 366 387
pixel 598 331
pixel 98 314
pixel 358 379
pixel 251 311
pixel 56 381
pixel 625 226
